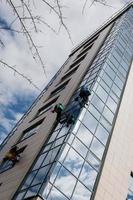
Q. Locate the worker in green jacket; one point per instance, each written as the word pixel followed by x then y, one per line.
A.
pixel 59 108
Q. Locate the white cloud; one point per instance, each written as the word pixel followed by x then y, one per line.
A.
pixel 55 47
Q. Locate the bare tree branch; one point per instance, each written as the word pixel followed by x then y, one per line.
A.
pixel 20 74
pixel 31 16
pixel 103 2
pixel 60 16
pixel 61 20
pixel 28 37
pixel 84 6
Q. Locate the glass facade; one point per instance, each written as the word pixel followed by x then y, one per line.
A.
pixel 69 165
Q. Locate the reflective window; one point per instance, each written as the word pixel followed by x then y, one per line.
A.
pixel 94 112
pixel 118 82
pixel 97 148
pixel 114 97
pixel 39 161
pixel 84 135
pixel 55 172
pixel 108 115
pixel 81 192
pixel 88 176
pixel 65 182
pixel 90 122
pixel 44 193
pixel 104 85
pixel 106 124
pixel 64 153
pixel 62 132
pixel 51 155
pixel 107 79
pixel 79 147
pixel 20 195
pixel 56 195
pixel 102 93
pixel 41 175
pixel 111 104
pixel 116 90
pixel 110 72
pixel 93 161
pixel 73 162
pixel 101 134
pixel 53 136
pixel 96 101
pixel 29 179
pixel 32 191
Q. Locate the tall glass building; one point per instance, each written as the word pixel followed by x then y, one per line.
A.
pixel 91 159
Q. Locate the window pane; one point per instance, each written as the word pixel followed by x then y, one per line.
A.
pixel 45 191
pixel 20 195
pixel 116 90
pixel 65 182
pixel 110 72
pixel 101 134
pixel 32 191
pixel 90 122
pixel 97 103
pixel 64 152
pixel 39 161
pixel 97 148
pixel 106 124
pixel 62 132
pixel 79 147
pixel 41 175
pixel 102 93
pixel 93 161
pixel 73 162
pixel 29 179
pixel 53 136
pixel 108 115
pixel 56 195
pixel 107 79
pixel 84 135
pixel 118 82
pixel 55 171
pixel 81 192
pixel 94 111
pixel 111 104
pixel 51 155
pixel 88 176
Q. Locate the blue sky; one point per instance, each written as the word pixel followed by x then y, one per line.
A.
pixel 16 95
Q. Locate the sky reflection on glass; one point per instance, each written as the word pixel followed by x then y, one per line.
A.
pixel 65 182
pixel 81 192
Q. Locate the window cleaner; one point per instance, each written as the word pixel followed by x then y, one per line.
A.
pixel 12 155
pixel 59 108
pixel 83 96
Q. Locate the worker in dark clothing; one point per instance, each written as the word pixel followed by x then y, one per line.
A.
pixel 12 155
pixel 72 114
pixel 70 120
pixel 83 96
pixel 59 108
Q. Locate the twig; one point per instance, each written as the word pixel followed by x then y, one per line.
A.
pixel 20 74
pixel 28 36
pixel 62 22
